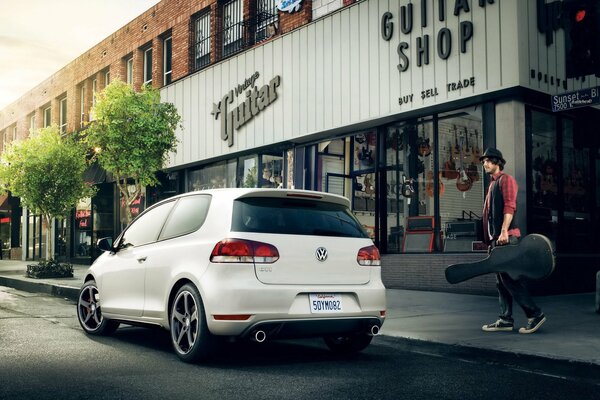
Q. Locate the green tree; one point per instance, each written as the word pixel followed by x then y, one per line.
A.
pixel 46 172
pixel 132 135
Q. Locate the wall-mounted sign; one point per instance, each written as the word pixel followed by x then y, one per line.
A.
pixel 579 98
pixel 289 5
pixel 253 103
pixel 442 41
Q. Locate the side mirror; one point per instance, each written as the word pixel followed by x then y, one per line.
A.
pixel 105 244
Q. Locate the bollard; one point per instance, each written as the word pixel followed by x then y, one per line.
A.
pixel 598 292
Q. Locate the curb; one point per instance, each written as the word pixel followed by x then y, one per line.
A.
pixel 69 292
pixel 546 365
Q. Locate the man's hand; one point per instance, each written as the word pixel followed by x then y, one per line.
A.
pixel 503 238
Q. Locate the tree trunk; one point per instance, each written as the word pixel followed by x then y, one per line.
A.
pixel 49 237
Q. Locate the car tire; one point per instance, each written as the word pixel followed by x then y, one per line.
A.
pixel 348 344
pixel 89 312
pixel 190 337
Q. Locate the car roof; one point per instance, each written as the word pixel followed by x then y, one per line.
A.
pixel 230 194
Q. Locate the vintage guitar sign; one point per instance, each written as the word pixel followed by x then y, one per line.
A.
pixel 254 102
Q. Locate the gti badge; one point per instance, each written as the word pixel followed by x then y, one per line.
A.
pixel 321 254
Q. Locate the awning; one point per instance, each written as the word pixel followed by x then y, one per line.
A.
pixel 94 174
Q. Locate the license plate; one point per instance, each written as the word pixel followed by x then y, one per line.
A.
pixel 325 303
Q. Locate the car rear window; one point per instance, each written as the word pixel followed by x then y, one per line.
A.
pixel 294 217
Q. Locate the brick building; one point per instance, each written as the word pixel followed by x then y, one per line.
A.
pixel 357 98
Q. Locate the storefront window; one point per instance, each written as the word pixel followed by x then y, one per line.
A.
pixel 544 174
pixel 561 175
pixel 221 175
pixel 272 171
pixel 576 191
pixel 415 187
pixel 36 243
pixel 364 160
pixel 83 228
pixel 461 199
pixel 247 172
pixel 331 167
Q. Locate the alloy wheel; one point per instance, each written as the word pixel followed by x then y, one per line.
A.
pixel 184 322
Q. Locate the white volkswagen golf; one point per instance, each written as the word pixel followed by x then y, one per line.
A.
pixel 259 264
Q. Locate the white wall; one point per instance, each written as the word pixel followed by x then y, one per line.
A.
pixel 339 71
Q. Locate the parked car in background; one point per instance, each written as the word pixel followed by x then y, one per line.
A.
pixel 256 264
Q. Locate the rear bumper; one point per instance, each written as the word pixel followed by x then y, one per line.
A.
pixel 291 329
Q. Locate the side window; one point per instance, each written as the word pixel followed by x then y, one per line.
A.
pixel 146 228
pixel 188 216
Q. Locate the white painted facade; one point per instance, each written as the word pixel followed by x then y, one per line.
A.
pixel 338 72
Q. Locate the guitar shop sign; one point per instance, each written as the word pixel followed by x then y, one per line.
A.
pixel 407 18
pixel 254 101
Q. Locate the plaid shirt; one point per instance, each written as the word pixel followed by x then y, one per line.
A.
pixel 509 189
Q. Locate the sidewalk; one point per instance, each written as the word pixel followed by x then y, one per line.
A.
pixel 441 323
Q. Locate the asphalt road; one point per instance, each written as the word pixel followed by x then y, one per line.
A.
pixel 44 354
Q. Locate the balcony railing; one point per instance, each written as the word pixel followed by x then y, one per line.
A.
pixel 235 38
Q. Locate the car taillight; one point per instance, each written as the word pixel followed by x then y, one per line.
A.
pixel 244 251
pixel 369 256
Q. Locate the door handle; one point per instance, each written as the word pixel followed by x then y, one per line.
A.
pixel 142 259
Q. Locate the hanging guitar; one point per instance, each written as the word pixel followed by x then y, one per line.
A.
pixel 423 144
pixel 449 172
pixel 463 182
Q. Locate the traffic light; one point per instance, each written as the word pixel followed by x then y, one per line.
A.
pixel 582 37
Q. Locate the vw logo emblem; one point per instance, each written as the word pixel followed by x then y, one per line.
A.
pixel 321 254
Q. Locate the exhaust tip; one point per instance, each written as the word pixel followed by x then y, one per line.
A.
pixel 375 330
pixel 260 336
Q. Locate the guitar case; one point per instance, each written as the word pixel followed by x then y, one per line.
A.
pixel 533 258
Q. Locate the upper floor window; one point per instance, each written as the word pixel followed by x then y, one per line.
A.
pixel 47 116
pixel 32 123
pixel 148 66
pixel 167 60
pixel 94 88
pixel 63 115
pixel 14 133
pixel 106 78
pixel 233 25
pixel 202 38
pixel 130 71
pixel 267 19
pixel 82 104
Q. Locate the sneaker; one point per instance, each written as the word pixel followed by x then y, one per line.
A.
pixel 498 326
pixel 533 324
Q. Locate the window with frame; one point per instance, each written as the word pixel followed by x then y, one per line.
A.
pixel 14 133
pixel 167 60
pixel 148 66
pixel 94 89
pixel 202 41
pixel 63 115
pixel 32 123
pixel 146 228
pixel 106 78
pixel 188 216
pixel 47 116
pixel 233 26
pixel 130 71
pixel 82 105
pixel 267 20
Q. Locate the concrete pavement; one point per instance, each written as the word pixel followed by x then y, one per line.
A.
pixel 443 323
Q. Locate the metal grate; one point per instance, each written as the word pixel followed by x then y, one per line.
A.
pixel 267 20
pixel 203 40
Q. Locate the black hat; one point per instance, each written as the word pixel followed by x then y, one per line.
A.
pixel 491 152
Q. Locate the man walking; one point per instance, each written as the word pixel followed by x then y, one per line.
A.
pixel 500 228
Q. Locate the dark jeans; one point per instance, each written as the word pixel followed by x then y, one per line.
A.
pixel 509 289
